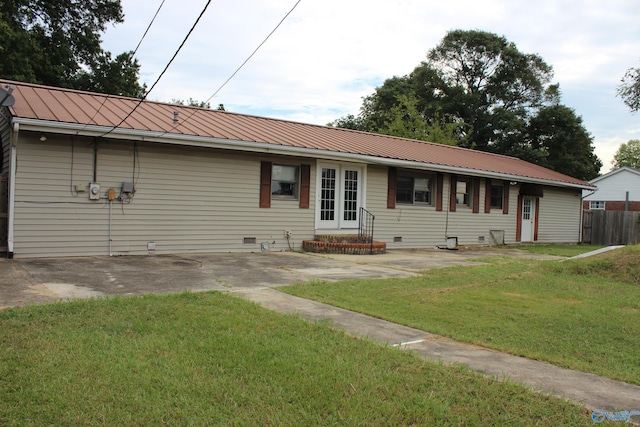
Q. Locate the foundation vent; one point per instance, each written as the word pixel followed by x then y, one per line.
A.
pixel 249 240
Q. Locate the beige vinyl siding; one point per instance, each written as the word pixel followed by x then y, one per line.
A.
pixel 423 226
pixel 559 216
pixel 186 200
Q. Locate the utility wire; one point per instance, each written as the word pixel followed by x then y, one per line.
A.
pixel 236 71
pixel 147 30
pixel 131 59
pixel 141 100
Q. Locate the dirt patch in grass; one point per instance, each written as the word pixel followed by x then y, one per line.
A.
pixel 514 294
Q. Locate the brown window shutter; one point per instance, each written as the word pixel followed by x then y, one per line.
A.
pixel 453 179
pixel 305 180
pixel 439 185
pixel 265 184
pixel 519 220
pixel 487 195
pixel 505 198
pixel 391 188
pixel 535 220
pixel 476 195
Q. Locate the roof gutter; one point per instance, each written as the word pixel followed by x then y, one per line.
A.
pixel 262 147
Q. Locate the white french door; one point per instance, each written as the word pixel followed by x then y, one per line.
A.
pixel 338 195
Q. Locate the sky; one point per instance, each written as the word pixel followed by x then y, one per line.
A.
pixel 329 54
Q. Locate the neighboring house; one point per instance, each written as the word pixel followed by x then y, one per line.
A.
pixel 93 174
pixel 618 190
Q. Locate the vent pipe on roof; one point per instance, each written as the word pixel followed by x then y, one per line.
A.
pixel 175 117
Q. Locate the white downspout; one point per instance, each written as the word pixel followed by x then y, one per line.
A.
pixel 13 163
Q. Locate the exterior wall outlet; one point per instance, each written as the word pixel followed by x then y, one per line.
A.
pixel 94 191
pixel 151 246
pixel 288 233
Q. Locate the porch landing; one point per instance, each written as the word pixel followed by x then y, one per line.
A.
pixel 352 244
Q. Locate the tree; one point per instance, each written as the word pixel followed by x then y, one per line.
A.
pixel 195 103
pixel 629 89
pixel 489 96
pixel 489 83
pixel 628 155
pixel 117 77
pixel 58 43
pixel 563 143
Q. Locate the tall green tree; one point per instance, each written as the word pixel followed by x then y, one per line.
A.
pixel 57 43
pixel 563 142
pixel 493 97
pixel 628 155
pixel 489 83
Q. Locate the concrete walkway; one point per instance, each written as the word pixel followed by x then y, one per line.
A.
pixel 587 389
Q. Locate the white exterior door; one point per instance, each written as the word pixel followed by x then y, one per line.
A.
pixel 338 196
pixel 528 219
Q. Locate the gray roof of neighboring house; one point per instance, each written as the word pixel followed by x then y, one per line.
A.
pixel 614 172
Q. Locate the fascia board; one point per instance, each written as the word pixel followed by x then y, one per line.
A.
pixel 262 147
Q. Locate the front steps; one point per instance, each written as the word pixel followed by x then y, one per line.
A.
pixel 350 244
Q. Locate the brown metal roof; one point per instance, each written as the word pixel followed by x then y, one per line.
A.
pixel 65 106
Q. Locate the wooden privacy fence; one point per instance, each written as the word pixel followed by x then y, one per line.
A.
pixel 610 228
pixel 4 209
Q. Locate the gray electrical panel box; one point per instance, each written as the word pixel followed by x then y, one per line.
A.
pixel 127 187
pixel 94 191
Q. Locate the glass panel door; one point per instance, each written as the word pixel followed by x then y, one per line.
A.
pixel 338 196
pixel 350 198
pixel 328 183
pixel 528 214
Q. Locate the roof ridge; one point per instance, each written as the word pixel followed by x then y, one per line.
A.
pixel 66 89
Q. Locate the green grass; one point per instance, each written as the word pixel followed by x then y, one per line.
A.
pixel 557 249
pixel 581 314
pixel 214 359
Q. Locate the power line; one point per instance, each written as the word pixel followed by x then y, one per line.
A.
pixel 147 30
pixel 163 71
pixel 133 54
pixel 237 69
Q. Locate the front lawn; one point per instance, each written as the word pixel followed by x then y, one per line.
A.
pixel 581 314
pixel 214 359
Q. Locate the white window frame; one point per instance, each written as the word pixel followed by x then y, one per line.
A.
pixel 597 205
pixel 491 198
pixel 469 184
pixel 413 177
pixel 295 182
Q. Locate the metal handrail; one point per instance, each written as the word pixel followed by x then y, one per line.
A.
pixel 365 227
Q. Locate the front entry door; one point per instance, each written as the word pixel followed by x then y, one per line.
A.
pixel 339 196
pixel 528 219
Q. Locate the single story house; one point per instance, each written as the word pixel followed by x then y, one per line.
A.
pixel 95 174
pixel 618 190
